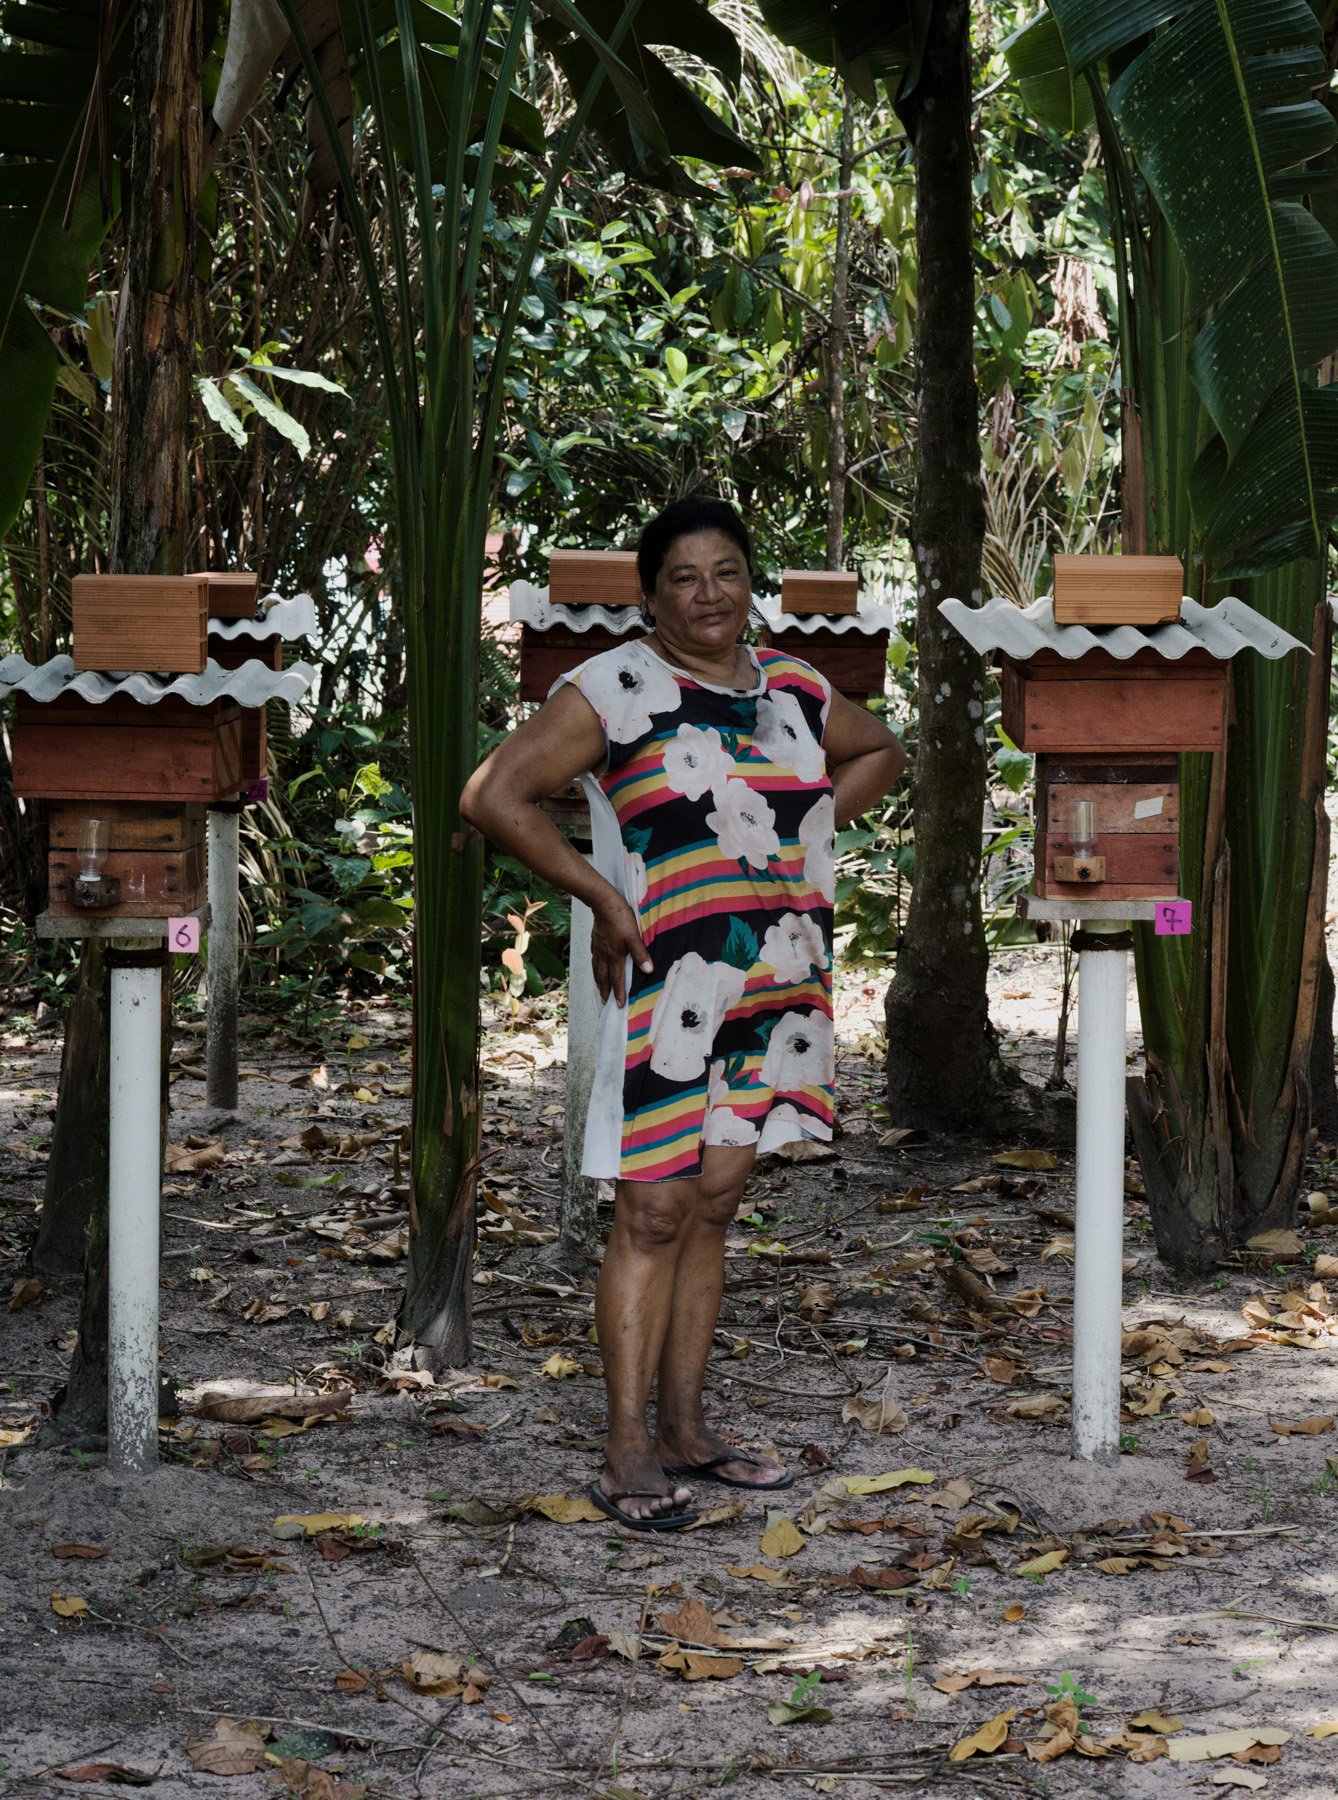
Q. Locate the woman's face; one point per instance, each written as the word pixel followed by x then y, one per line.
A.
pixel 702 593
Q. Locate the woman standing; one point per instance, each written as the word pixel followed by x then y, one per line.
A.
pixel 716 775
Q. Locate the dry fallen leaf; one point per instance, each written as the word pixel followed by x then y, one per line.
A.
pixel 559 1366
pixel 875 1415
pixel 758 1572
pixel 106 1771
pixel 1161 1723
pixel 191 1158
pixel 247 1402
pixel 955 1684
pixel 564 1509
pixel 988 1738
pixel 1011 1614
pixel 1026 1159
pixel 73 1607
pixel 1043 1565
pixel 1035 1406
pixel 1326 1267
pixel 1242 1778
pixel 1328 1729
pixel 693 1621
pixel 781 1537
pixel 230 1749
pixel 24 1291
pixel 299 1525
pixel 1276 1243
pixel 692 1665
pixel 1200 1417
pixel 1313 1427
pixel 725 1512
pixel 1224 1743
pixel 88 1552
pixel 892 1478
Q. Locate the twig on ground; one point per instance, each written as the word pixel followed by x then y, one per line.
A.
pixel 1235 1612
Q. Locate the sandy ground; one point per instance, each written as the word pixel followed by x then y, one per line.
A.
pixel 1192 1581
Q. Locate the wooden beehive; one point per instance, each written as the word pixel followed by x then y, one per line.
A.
pixel 546 654
pixel 73 749
pixel 855 662
pixel 231 653
pixel 232 595
pixel 155 623
pixel 1098 705
pixel 834 591
pixel 1117 590
pixel 593 578
pixel 155 856
pixel 1136 804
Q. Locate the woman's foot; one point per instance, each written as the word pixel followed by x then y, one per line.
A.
pixel 701 1449
pixel 638 1476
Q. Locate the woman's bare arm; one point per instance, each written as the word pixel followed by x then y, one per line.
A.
pixel 864 758
pixel 562 740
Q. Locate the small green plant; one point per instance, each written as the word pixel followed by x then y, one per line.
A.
pixel 1128 1442
pixel 801 1707
pixel 962 1585
pixel 81 1457
pixel 1070 1688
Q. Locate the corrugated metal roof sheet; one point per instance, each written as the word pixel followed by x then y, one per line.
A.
pixel 1224 630
pixel 289 619
pixel 251 685
pixel 870 617
pixel 531 606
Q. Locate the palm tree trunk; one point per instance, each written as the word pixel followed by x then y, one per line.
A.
pixel 943 1067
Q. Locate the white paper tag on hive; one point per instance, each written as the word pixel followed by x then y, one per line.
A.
pixel 1148 809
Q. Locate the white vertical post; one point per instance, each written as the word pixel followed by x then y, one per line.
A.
pixel 1098 1274
pixel 221 1041
pixel 133 1202
pixel 577 1215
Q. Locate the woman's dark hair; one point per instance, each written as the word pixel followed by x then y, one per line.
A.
pixel 680 519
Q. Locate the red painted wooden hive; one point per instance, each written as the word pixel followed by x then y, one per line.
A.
pixel 1108 702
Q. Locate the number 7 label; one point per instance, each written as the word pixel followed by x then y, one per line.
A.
pixel 1174 918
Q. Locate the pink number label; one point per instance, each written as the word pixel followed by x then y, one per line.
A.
pixel 1174 918
pixel 183 936
pixel 258 790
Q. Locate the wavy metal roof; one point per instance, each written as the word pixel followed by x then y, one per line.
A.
pixel 289 619
pixel 870 617
pixel 251 685
pixel 531 606
pixel 1223 630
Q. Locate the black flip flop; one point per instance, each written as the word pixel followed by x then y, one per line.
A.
pixel 710 1471
pixel 670 1521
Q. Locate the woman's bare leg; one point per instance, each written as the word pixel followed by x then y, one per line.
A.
pixel 633 1298
pixel 682 1435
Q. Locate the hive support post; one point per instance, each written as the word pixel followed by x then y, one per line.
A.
pixel 221 1045
pixel 576 1216
pixel 1098 1275
pixel 134 1197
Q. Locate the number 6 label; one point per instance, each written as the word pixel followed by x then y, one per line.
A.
pixel 183 935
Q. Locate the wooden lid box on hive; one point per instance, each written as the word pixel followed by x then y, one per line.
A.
pixel 1108 709
pixel 592 603
pixel 129 758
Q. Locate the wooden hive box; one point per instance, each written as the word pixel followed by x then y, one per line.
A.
pixel 593 578
pixel 156 623
pixel 232 595
pixel 544 655
pixel 73 749
pixel 1098 705
pixel 231 653
pixel 1117 590
pixel 155 854
pixel 855 662
pixel 833 591
pixel 1136 803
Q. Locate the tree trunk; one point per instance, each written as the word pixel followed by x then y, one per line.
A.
pixel 837 342
pixel 943 1067
pixel 150 519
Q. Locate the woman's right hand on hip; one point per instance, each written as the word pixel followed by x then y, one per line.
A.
pixel 615 937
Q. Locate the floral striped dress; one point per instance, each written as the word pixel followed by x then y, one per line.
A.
pixel 713 818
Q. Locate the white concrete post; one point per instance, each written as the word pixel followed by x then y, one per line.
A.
pixel 576 1219
pixel 221 1042
pixel 133 1201
pixel 1098 1274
